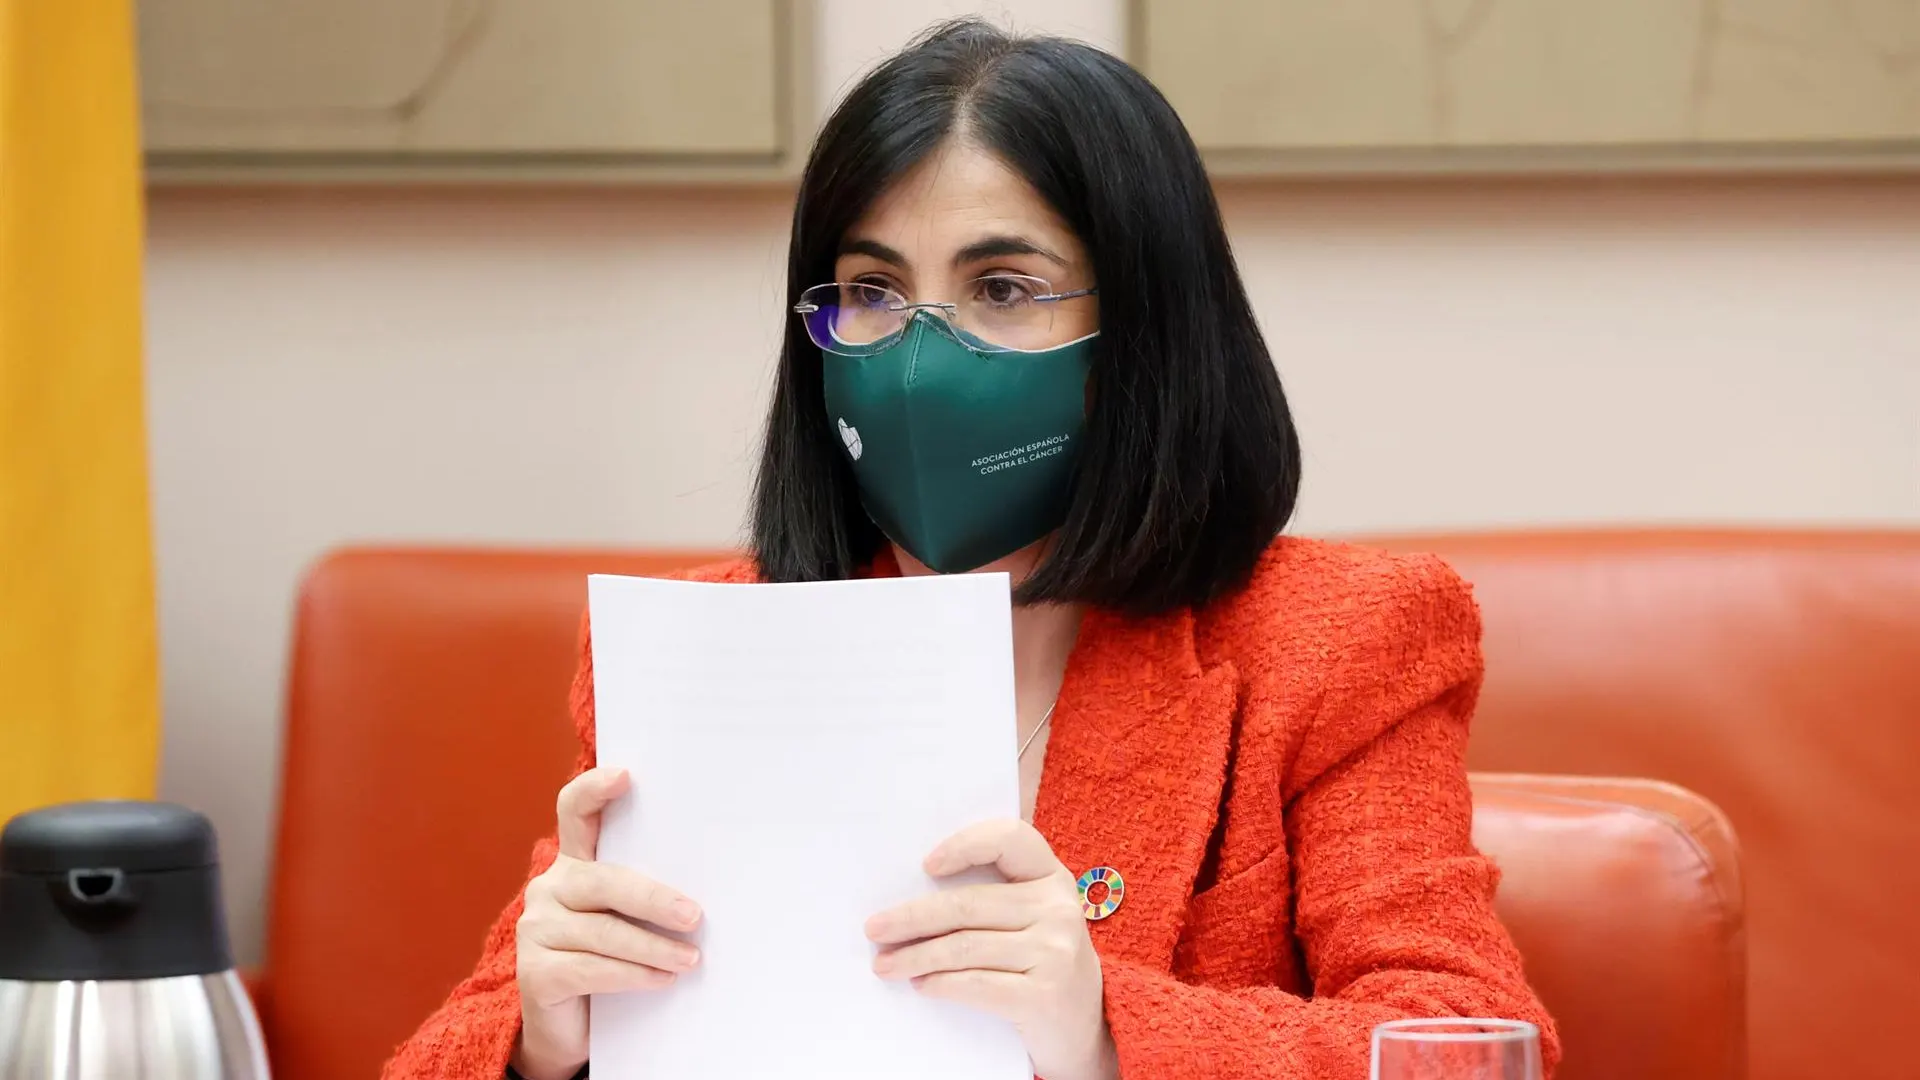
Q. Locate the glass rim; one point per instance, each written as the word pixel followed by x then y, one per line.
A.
pixel 892 338
pixel 808 308
pixel 1047 297
pixel 1500 1030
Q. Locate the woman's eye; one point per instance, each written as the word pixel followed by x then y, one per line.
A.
pixel 867 294
pixel 1004 291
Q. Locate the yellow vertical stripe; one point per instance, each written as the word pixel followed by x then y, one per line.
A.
pixel 78 661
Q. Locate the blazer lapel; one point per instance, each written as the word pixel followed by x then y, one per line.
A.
pixel 1135 769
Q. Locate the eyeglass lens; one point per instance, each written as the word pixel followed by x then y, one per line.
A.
pixel 1000 310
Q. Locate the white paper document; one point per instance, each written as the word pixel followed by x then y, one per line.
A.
pixel 797 751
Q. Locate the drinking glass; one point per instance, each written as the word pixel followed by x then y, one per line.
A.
pixel 1456 1050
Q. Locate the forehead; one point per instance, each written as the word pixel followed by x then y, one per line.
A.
pixel 957 194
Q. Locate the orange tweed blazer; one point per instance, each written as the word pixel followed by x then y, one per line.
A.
pixel 1281 778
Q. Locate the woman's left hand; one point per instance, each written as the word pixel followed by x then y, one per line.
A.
pixel 1019 950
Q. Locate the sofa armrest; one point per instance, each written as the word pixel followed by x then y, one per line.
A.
pixel 1626 901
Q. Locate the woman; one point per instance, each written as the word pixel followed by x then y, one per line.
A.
pixel 1020 344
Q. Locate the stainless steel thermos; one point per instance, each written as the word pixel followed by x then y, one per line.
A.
pixel 114 963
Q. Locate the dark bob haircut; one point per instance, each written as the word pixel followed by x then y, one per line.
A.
pixel 1190 463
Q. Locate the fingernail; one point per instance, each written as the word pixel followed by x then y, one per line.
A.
pixel 883 964
pixel 877 927
pixel 687 958
pixel 686 911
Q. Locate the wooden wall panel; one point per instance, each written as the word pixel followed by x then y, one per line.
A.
pixel 1272 83
pixel 414 85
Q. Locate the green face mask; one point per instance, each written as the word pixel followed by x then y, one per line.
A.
pixel 964 455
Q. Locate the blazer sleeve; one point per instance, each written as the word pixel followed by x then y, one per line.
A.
pixel 1393 905
pixel 472 1034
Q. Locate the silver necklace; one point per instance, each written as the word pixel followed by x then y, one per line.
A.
pixel 1037 729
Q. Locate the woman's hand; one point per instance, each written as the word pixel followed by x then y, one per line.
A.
pixel 578 934
pixel 1019 950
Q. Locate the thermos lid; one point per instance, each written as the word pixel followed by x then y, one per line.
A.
pixel 110 891
pixel 136 837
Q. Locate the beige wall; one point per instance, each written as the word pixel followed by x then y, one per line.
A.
pixel 551 367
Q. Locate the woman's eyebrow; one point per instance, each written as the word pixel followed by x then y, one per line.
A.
pixel 877 250
pixel 994 246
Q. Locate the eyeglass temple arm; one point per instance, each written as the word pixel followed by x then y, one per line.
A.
pixel 1068 295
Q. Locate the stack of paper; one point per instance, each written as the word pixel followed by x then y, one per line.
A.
pixel 796 752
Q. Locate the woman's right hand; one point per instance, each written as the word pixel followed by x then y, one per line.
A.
pixel 579 934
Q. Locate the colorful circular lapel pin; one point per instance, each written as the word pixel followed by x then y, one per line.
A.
pixel 1101 890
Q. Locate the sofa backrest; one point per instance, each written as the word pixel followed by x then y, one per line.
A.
pixel 1775 673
